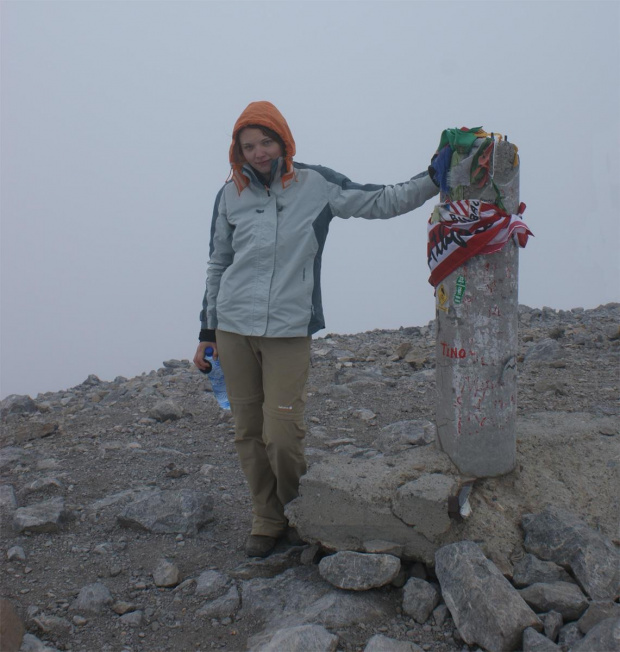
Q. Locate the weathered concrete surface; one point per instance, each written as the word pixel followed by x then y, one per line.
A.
pixel 347 504
pixel 485 607
pixel 476 346
pixel 423 503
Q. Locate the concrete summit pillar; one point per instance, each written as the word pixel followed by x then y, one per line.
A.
pixel 476 345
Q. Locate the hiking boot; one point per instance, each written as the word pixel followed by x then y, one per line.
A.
pixel 257 545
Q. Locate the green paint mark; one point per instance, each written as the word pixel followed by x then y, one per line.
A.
pixel 460 289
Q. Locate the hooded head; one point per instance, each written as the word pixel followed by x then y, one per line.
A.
pixel 261 114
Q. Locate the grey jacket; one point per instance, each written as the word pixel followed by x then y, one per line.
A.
pixel 264 272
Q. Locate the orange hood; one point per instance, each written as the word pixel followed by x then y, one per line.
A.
pixel 266 115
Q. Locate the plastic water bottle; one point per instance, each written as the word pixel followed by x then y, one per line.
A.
pixel 216 376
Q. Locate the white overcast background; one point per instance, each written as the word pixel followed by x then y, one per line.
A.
pixel 116 119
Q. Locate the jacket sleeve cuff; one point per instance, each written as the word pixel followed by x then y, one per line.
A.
pixel 207 335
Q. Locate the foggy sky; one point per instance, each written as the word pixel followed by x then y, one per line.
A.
pixel 116 120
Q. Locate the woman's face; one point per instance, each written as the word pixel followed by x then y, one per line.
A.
pixel 258 149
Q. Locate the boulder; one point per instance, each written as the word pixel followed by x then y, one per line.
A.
pixel 166 574
pixel 487 610
pixel 92 598
pixel 559 536
pixel 210 584
pixel 301 638
pixel 535 642
pixel 46 516
pixel 358 571
pixel 603 637
pixel 597 611
pixel 531 570
pixel 563 597
pixel 402 435
pixel 419 599
pixel 222 607
pixel 380 643
pixel 552 623
pixel 165 411
pixel 17 404
pixel 168 512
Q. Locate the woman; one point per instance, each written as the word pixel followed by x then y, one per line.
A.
pixel 263 297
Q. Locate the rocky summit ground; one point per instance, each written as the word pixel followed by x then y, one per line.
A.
pixel 84 573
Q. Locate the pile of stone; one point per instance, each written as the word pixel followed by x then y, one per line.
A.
pixel 563 594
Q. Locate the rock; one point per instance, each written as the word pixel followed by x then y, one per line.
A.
pixel 358 571
pixel 8 499
pixel 169 512
pixel 166 574
pixel 531 570
pixel 337 391
pixel 569 635
pixel 165 411
pixel 57 627
pixel 597 611
pixel 13 455
pixel 92 598
pixel 11 627
pixel 603 637
pixel 309 554
pixel 402 349
pixel 423 503
pixel 46 516
pixel 302 638
pixel 121 607
pixel 31 643
pixel 17 404
pixel 563 597
pixel 35 430
pixel 552 623
pixel 176 364
pixel 221 607
pixel 297 598
pixel 211 584
pixel 16 553
pixel 401 435
pixel 381 643
pixel 132 618
pixel 543 351
pixel 49 485
pixel 559 536
pixel 364 414
pixel 419 599
pixel 486 608
pixel 535 642
pixel 440 615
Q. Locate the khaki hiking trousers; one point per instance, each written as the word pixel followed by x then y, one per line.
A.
pixel 266 384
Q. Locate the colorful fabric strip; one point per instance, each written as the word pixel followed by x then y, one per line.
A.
pixel 462 229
